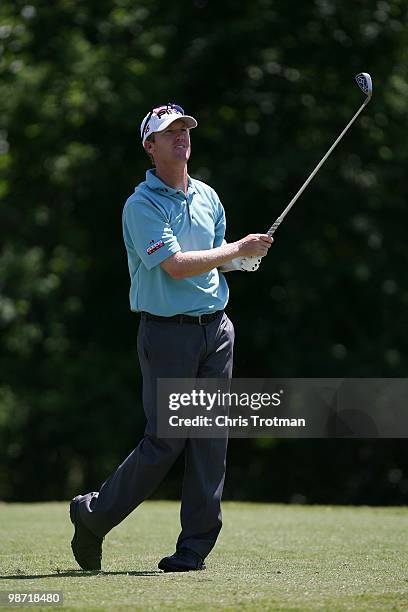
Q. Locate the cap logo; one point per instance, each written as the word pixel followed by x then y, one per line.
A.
pixel 165 110
pixel 159 111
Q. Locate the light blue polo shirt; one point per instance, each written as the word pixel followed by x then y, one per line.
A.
pixel 158 221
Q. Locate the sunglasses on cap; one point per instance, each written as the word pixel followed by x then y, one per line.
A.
pixel 159 111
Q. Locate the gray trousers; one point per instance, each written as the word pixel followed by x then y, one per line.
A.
pixel 168 349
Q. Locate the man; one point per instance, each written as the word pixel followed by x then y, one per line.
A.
pixel 173 227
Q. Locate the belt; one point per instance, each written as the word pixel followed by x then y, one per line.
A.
pixel 203 319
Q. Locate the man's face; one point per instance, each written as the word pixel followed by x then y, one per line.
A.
pixel 172 145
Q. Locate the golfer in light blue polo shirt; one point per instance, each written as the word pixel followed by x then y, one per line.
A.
pixel 159 221
pixel 173 228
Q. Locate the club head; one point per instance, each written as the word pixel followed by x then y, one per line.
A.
pixel 365 83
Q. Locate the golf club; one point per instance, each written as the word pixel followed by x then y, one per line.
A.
pixel 250 264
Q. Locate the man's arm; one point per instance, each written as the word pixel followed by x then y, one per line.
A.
pixel 232 265
pixel 191 263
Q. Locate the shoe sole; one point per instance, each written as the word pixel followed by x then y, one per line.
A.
pixel 73 511
pixel 179 569
pixel 171 568
pixel 73 514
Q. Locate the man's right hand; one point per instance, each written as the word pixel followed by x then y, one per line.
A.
pixel 254 245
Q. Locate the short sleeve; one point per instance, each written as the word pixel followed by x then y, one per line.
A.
pixel 147 229
pixel 220 225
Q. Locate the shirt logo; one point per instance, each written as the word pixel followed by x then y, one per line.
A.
pixel 154 246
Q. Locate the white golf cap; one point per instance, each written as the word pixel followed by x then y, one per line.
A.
pixel 160 118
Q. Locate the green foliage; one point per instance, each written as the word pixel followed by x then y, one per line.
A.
pixel 271 85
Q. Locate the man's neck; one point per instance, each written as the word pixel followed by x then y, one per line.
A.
pixel 175 177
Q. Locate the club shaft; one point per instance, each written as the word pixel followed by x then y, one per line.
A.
pixel 279 220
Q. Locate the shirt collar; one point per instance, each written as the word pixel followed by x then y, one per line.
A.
pixel 153 182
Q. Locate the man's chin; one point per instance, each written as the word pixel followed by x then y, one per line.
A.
pixel 182 156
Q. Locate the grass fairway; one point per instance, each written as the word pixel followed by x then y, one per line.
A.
pixel 268 557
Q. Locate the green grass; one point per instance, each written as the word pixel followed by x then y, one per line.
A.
pixel 268 557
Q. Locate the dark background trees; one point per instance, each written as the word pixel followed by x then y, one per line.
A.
pixel 271 85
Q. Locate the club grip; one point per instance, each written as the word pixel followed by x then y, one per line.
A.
pixel 274 227
pixel 251 264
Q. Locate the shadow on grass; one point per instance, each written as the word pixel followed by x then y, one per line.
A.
pixel 78 573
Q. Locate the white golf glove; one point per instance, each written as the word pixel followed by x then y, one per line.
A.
pixel 250 264
pixel 230 266
pixel 247 264
pixel 238 263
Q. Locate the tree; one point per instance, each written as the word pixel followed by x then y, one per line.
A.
pixel 271 86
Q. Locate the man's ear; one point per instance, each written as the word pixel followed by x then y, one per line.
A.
pixel 148 145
